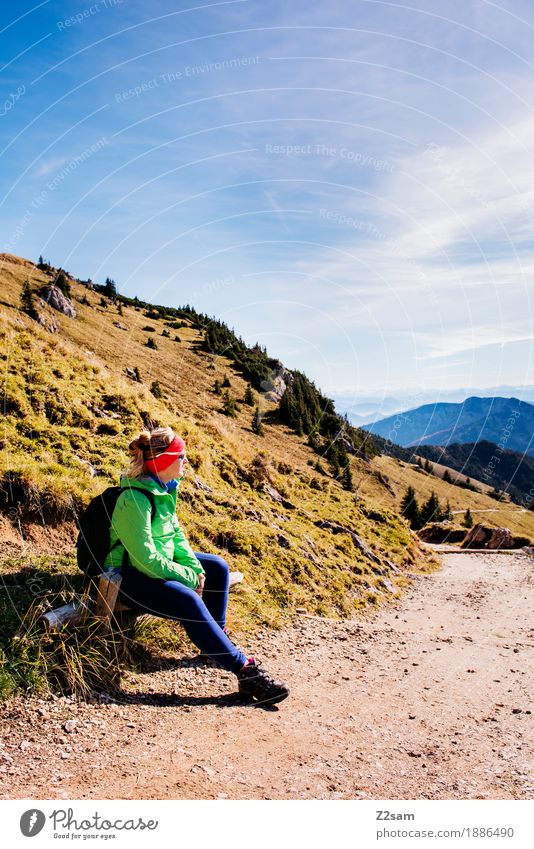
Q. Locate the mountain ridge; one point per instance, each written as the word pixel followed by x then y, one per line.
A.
pixel 507 422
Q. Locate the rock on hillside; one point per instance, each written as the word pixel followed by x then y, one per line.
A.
pixel 55 298
pixel 483 537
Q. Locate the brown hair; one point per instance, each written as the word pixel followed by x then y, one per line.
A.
pixel 148 444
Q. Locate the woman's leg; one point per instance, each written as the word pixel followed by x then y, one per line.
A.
pixel 176 601
pixel 215 593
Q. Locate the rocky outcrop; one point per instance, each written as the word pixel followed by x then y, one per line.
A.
pixel 442 532
pixel 273 388
pixel 47 323
pixel 481 536
pixel 358 541
pixel 54 297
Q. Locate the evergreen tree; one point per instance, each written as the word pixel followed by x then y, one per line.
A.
pixel 431 511
pixel 137 374
pixel 468 519
pixel 226 381
pixel 151 343
pixel 257 426
pixel 27 303
pixel 110 288
pixel 410 508
pixel 217 387
pixel 119 309
pixel 103 303
pixel 166 333
pixel 427 467
pixel 447 476
pixel 229 405
pixel 448 512
pixel 249 397
pixel 346 479
pixel 155 388
pixel 62 282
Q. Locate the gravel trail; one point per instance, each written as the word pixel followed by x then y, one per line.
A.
pixel 428 697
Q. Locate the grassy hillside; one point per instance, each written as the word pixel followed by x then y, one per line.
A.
pixel 483 508
pixel 70 410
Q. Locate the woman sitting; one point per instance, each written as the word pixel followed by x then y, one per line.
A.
pixel 162 575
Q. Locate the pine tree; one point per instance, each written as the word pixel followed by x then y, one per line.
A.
pixel 226 381
pixel 468 519
pixel 249 397
pixel 110 288
pixel 346 479
pixel 447 476
pixel 27 303
pixel 410 508
pixel 119 309
pixel 62 282
pixel 137 374
pixel 448 512
pixel 431 511
pixel 229 405
pixel 217 387
pixel 257 426
pixel 151 343
pixel 427 467
pixel 156 389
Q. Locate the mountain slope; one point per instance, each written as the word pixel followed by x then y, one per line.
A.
pixel 508 471
pixel 70 410
pixel 507 422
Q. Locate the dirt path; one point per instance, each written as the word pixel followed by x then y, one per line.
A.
pixel 430 697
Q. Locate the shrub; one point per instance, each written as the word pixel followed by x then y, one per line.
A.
pixel 230 407
pixel 148 329
pixel 62 282
pixel 156 389
pixel 256 425
pixel 27 303
pixel 151 343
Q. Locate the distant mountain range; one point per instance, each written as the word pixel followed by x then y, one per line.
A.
pixel 364 408
pixel 507 422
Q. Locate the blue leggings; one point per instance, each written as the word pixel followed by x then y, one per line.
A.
pixel 202 618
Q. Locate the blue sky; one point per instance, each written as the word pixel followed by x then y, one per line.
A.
pixel 351 184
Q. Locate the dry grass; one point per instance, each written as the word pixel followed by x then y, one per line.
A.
pixel 70 406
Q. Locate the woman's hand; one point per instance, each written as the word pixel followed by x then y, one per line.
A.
pixel 201 582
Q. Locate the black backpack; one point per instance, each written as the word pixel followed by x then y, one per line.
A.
pixel 93 544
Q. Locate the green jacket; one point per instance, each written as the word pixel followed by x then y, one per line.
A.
pixel 158 548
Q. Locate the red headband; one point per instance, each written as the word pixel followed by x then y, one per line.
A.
pixel 167 457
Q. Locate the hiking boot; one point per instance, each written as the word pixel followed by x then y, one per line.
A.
pixel 254 683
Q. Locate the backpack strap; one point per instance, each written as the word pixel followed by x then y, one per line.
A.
pixel 152 514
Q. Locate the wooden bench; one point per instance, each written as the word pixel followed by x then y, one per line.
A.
pixel 105 605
